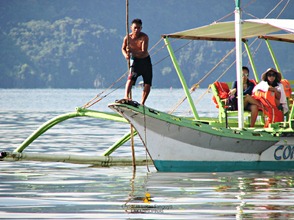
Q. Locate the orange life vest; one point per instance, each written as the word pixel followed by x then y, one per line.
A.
pixel 287 87
pixel 223 90
pixel 267 99
pixel 253 81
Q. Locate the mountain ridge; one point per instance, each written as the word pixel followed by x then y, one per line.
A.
pixel 77 44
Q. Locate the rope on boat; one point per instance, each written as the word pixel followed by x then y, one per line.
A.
pixel 274 8
pixel 283 8
pixel 176 50
pixel 257 48
pixel 232 13
pixel 152 48
pixel 95 100
pixel 196 85
pixel 145 138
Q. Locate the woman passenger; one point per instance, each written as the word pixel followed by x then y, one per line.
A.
pixel 271 79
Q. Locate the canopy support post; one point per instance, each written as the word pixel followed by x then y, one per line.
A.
pixel 238 34
pixel 273 55
pixel 181 77
pixel 251 61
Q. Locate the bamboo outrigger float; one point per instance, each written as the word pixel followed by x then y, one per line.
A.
pixel 105 160
pixel 97 161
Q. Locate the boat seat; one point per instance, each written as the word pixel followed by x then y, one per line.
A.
pixel 220 92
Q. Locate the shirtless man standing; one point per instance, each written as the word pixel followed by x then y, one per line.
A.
pixel 140 62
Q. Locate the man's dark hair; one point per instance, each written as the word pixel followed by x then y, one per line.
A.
pixel 137 21
pixel 245 68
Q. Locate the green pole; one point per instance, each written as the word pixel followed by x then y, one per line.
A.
pixel 273 55
pixel 181 77
pixel 251 61
pixel 43 129
pixel 119 143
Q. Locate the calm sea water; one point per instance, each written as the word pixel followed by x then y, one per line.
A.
pixel 46 190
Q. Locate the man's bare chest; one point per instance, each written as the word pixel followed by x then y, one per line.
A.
pixel 136 43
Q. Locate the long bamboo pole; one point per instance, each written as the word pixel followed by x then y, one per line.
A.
pixel 127 29
pixel 130 95
pixel 99 161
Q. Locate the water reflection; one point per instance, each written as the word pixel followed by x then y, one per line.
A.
pixel 67 190
pixel 265 195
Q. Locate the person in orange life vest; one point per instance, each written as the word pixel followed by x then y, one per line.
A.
pixel 271 79
pixel 250 104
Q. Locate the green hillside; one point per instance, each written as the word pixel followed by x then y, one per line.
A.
pixel 77 43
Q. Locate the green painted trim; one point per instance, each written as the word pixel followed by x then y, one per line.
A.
pixel 251 61
pixel 222 166
pixel 181 77
pixel 80 112
pixel 101 115
pixel 198 125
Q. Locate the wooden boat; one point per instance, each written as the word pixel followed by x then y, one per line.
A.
pixel 180 144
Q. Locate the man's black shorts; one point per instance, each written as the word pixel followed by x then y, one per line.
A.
pixel 142 67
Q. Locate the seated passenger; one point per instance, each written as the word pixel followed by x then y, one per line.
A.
pixel 270 92
pixel 271 79
pixel 250 104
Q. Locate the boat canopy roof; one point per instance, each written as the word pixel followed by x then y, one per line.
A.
pixel 225 31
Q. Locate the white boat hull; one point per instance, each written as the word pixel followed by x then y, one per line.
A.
pixel 180 148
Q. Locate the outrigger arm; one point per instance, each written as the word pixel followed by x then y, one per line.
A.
pixel 80 112
pixel 105 160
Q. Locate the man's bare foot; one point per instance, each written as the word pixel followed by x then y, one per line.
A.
pixel 123 101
